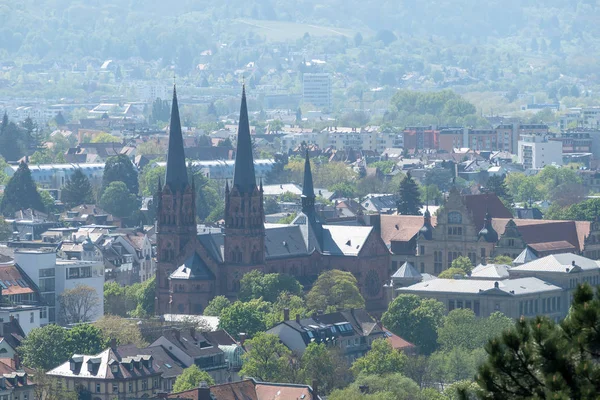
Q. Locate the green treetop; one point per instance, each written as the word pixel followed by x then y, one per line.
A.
pixel 77 190
pixel 191 378
pixel 409 197
pixel 21 193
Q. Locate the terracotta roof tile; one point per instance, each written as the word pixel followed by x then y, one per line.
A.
pixel 546 231
pixel 401 228
pixel 480 204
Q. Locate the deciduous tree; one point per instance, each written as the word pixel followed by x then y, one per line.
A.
pixel 216 306
pixel 380 360
pixel 335 288
pixel 78 304
pixel 124 331
pixel 118 200
pixel 248 318
pixel 191 378
pixel 266 359
pixel 120 169
pixel 43 348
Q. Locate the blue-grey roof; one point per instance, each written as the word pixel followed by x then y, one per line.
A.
pixel 490 271
pixel 565 262
pixel 214 244
pixel 407 271
pixel 244 178
pixel 513 287
pixel 176 176
pixel 284 241
pixel 194 268
pixel 526 255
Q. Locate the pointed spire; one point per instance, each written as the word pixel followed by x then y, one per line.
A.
pixel 307 187
pixel 176 176
pixel 308 190
pixel 244 178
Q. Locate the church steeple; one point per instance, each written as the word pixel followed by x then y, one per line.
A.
pixel 308 191
pixel 176 176
pixel 244 178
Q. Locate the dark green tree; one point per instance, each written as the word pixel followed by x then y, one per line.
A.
pixel 409 197
pixel 544 360
pixel 120 168
pixel 496 185
pixel 216 306
pixel 118 201
pixel 191 378
pixel 30 129
pixel 77 190
pixel 21 193
pixel 60 119
pixel 161 111
pixel 11 140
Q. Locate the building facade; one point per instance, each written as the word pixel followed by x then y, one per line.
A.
pixel 535 152
pixel 316 89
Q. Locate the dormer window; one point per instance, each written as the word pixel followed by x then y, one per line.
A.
pixel 114 368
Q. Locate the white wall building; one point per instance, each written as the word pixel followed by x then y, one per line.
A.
pixel 536 152
pixel 54 176
pixel 316 90
pixel 53 276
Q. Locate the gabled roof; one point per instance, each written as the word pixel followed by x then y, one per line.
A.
pixel 559 263
pixel 490 271
pixel 194 346
pixel 166 362
pixel 13 282
pixel 284 241
pixel 344 240
pixel 543 231
pixel 475 286
pixel 251 389
pixel 480 204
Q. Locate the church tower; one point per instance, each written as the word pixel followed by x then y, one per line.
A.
pixel 176 212
pixel 244 212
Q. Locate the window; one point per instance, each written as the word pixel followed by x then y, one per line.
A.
pixel 450 305
pixel 454 217
pixel 476 307
pixel 422 268
pixel 115 388
pixel 455 230
pixel 154 383
pixel 482 253
pixel 31 317
pixel 130 387
pixel 558 303
pixel 437 262
pixel 98 388
pixel 459 304
pixel 144 384
pixel 421 250
pixel 511 242
pixel 468 304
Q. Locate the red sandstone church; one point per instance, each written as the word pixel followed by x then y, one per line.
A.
pixel 193 268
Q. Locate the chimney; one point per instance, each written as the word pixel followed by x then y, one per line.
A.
pixel 193 332
pixel 286 314
pixel 17 361
pixel 242 336
pixel 113 344
pixel 177 334
pixel 297 318
pixel 315 388
pixel 204 391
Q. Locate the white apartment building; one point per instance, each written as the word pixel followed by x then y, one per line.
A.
pixel 39 114
pixel 316 90
pixel 536 152
pixel 53 276
pixel 370 138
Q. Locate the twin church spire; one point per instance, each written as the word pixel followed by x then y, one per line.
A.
pixel 176 176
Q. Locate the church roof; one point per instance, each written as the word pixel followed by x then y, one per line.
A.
pixel 214 244
pixel 244 177
pixel 284 241
pixel 407 270
pixel 344 240
pixel 480 204
pixel 176 176
pixel 401 228
pixel 194 268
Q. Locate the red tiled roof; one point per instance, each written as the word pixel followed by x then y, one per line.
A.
pixel 266 391
pixel 398 343
pixel 9 274
pixel 480 204
pixel 237 390
pixel 547 248
pixel 401 228
pixel 547 231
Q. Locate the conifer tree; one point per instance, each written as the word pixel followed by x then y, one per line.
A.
pixel 409 197
pixel 78 190
pixel 10 140
pixel 21 193
pixel 544 360
pixel 120 169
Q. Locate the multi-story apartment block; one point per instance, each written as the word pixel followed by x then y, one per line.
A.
pixel 421 138
pixel 316 90
pixel 53 276
pixel 369 138
pixel 536 152
pixel 54 176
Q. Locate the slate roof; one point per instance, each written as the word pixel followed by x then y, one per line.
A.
pixel 244 177
pixel 176 176
pixel 559 263
pixel 194 268
pixel 519 286
pixel 166 362
pixel 526 256
pixel 194 346
pixel 12 333
pixel 284 241
pixel 214 243
pixel 407 270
